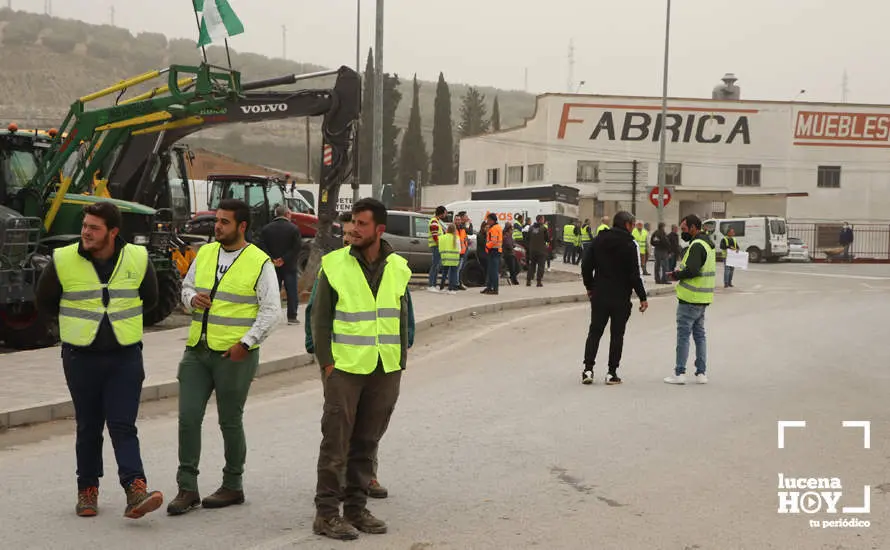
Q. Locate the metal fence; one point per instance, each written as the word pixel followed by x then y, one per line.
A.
pixel 870 241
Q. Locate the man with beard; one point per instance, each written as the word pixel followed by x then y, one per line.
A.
pixel 99 288
pixel 233 293
pixel 360 332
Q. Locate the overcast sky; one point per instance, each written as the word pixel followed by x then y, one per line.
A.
pixel 775 47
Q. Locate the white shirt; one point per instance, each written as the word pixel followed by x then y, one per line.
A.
pixel 268 292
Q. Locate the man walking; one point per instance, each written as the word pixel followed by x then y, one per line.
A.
pixel 99 288
pixel 494 246
pixel 281 240
pixel 662 247
pixel 695 290
pixel 359 325
pixel 728 243
pixel 435 230
pixel 538 237
pixel 233 293
pixel 641 236
pixel 610 271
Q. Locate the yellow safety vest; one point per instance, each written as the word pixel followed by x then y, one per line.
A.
pixel 235 303
pixel 81 309
pixel 449 250
pixel 366 328
pixel 699 290
pixel 642 237
pixel 568 234
pixel 585 234
pixel 601 228
pixel 517 233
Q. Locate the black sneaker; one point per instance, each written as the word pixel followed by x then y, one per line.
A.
pixel 587 377
pixel 612 379
pixel 293 321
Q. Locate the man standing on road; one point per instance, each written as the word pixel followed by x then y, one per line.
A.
pixel 676 251
pixel 728 243
pixel 99 288
pixel 360 327
pixel 642 237
pixel 662 247
pixel 846 240
pixel 568 243
pixel 610 270
pixel 282 241
pixel 494 246
pixel 695 290
pixel 538 237
pixel 233 293
pixel 435 229
pixel 604 226
pixel 461 223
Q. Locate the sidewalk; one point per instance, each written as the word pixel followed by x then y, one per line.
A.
pixel 34 389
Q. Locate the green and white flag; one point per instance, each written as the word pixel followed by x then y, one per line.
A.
pixel 218 21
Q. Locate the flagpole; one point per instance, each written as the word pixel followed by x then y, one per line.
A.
pixel 198 22
pixel 228 55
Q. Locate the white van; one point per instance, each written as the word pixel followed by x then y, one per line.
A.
pixel 505 210
pixel 763 237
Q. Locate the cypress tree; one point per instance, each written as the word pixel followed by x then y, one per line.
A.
pixel 443 171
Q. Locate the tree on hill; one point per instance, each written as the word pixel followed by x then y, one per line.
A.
pixel 366 133
pixel 496 116
pixel 442 172
pixel 473 114
pixel 391 98
pixel 414 157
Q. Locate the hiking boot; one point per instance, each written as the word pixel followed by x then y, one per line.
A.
pixel 87 502
pixel 223 497
pixel 334 527
pixel 185 501
pixel 364 521
pixel 140 500
pixel 375 490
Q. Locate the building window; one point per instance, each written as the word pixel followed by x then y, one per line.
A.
pixel 470 178
pixel 829 177
pixel 492 176
pixel 588 171
pixel 514 174
pixel 535 172
pixel 749 175
pixel 672 173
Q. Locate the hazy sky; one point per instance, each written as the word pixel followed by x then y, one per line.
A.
pixel 775 47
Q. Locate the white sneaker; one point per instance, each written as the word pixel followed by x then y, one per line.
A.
pixel 701 379
pixel 452 292
pixel 677 379
pixel 433 289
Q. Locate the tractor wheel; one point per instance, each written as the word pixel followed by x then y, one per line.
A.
pixel 169 291
pixel 26 329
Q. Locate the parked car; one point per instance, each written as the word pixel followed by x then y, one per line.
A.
pixel 798 251
pixel 408 233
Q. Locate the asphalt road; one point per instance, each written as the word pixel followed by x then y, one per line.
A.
pixel 495 444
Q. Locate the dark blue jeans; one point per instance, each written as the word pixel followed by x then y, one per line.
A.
pixel 289 278
pixel 494 270
pixel 105 388
pixel 436 265
pixel 691 322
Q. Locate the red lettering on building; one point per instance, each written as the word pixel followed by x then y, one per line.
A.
pixel 862 127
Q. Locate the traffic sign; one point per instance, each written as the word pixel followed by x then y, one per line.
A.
pixel 653 196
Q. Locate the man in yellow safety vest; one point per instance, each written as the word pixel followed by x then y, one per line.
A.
pixel 641 236
pixel 233 294
pixel 695 290
pixel 360 331
pixel 604 225
pixel 99 288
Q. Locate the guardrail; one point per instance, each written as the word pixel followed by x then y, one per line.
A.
pixel 871 242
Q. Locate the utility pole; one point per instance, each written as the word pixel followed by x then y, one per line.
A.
pixel 283 41
pixel 377 161
pixel 664 92
pixel 355 141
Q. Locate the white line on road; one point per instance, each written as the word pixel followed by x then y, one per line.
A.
pixel 829 275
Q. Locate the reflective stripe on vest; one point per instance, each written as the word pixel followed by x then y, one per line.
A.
pixel 585 234
pixel 81 308
pixel 699 290
pixel 495 238
pixel 235 304
pixel 449 250
pixel 568 234
pixel 435 229
pixel 366 328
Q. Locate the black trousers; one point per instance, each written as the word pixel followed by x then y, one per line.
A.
pixel 536 261
pixel 289 278
pixel 616 314
pixel 105 388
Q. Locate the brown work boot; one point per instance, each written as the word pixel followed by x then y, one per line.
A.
pixel 87 502
pixel 365 521
pixel 140 501
pixel 334 527
pixel 223 497
pixel 185 501
pixel 375 490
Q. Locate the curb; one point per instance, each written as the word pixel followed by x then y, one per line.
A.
pixel 49 411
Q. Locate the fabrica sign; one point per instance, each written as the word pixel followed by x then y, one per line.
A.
pixel 681 124
pixel 268 108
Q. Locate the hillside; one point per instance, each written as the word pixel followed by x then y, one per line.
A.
pixel 47 62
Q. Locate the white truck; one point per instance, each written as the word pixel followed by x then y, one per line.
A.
pixel 762 237
pixel 506 210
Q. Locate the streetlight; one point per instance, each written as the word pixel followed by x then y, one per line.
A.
pixel 377 161
pixel 664 91
pixel 358 61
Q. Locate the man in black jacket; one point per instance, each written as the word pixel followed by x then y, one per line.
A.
pixel 538 237
pixel 281 240
pixel 662 246
pixel 611 270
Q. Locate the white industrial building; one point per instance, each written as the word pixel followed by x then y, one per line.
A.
pixel 819 163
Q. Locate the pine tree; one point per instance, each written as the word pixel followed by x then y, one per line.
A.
pixel 391 98
pixel 414 157
pixel 473 114
pixel 366 133
pixel 496 116
pixel 442 172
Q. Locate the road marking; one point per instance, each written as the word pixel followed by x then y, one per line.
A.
pixel 829 275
